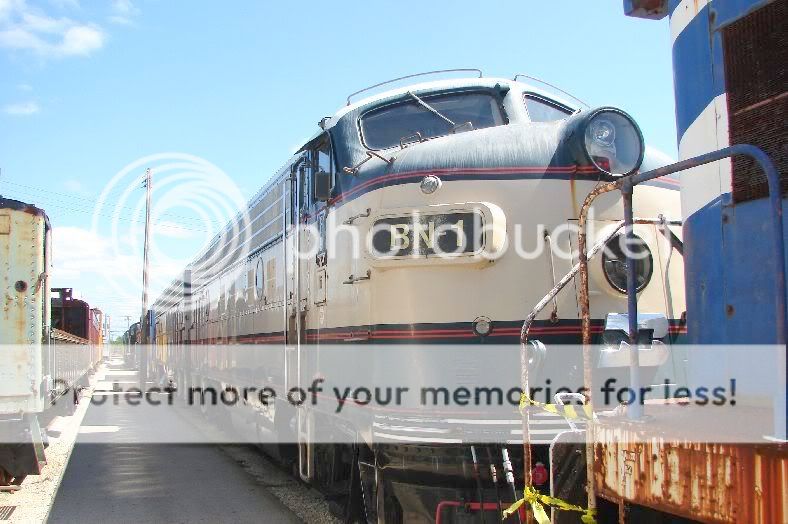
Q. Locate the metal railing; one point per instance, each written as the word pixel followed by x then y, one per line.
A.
pixel 626 186
pixel 524 359
pixel 439 71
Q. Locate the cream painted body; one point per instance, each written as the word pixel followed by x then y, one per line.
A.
pixel 437 290
pixel 506 289
pixel 24 320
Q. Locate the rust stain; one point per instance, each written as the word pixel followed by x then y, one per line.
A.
pixel 708 482
pixel 573 194
pixel 33 210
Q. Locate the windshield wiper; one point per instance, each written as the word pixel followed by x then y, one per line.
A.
pixel 432 109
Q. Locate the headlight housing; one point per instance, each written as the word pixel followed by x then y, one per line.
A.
pixel 609 139
pixel 614 264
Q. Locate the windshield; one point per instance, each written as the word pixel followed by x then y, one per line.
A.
pixel 386 127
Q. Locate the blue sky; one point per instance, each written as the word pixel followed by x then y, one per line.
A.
pixel 87 88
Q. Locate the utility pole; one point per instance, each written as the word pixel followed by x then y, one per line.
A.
pixel 143 368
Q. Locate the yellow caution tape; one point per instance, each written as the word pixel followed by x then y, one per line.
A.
pixel 538 501
pixel 531 496
pixel 567 411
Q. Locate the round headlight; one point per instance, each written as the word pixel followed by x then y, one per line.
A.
pixel 602 132
pixel 614 263
pixel 482 326
pixel 430 184
pixel 613 142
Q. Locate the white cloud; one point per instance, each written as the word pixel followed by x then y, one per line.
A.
pixel 81 40
pixel 5 8
pixel 107 271
pixel 124 7
pixel 24 87
pixel 123 12
pixel 22 109
pixel 26 28
pixel 79 252
pixel 87 262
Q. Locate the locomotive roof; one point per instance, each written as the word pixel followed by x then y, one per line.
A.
pixel 443 85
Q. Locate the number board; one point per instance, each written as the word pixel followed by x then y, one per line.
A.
pixel 428 235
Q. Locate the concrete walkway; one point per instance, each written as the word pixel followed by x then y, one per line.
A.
pixel 113 477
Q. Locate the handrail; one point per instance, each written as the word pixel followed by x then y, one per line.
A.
pixel 438 71
pixel 626 186
pixel 570 95
pixel 775 199
pixel 576 268
pixel 586 365
pixel 562 284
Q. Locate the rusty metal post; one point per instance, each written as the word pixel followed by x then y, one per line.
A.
pixel 527 461
pixel 586 328
pixel 585 317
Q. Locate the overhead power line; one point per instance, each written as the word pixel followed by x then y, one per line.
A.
pixel 48 203
pixel 108 203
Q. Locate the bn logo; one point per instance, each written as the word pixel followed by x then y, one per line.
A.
pixel 428 235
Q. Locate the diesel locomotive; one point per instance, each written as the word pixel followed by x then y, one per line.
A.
pixel 450 182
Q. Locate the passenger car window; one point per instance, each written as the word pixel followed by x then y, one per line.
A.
pixel 258 279
pixel 385 127
pixel 541 110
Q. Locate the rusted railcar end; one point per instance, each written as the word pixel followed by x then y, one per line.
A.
pixel 702 481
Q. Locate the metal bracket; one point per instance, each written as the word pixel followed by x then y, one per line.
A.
pixel 675 243
pixel 402 141
pixel 354 170
pixel 40 280
pixel 352 280
pixel 352 218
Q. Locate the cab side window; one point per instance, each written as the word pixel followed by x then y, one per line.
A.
pixel 322 161
pixel 323 156
pixel 543 110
